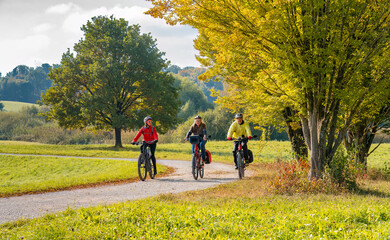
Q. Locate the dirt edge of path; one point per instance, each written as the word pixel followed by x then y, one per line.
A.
pixel 169 171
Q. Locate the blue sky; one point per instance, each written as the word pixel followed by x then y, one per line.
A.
pixel 39 31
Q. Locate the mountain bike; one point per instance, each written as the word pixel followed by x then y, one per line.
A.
pixel 241 164
pixel 145 163
pixel 197 160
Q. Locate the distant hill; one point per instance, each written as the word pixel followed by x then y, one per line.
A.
pixel 11 106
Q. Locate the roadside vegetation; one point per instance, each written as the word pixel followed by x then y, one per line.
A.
pixel 27 174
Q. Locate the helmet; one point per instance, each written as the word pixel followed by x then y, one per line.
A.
pixel 147 119
pixel 238 115
pixel 197 117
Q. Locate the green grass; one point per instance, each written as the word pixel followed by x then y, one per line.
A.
pixel 219 213
pixel 380 158
pixel 239 210
pixel 221 150
pixel 22 174
pixel 11 106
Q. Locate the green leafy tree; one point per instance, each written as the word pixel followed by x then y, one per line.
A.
pixel 307 55
pixel 113 81
pixel 192 98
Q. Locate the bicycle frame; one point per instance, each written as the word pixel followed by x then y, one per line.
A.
pixel 241 162
pixel 197 162
pixel 144 161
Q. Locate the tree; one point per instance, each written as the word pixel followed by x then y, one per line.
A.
pixel 306 55
pixel 192 98
pixel 113 81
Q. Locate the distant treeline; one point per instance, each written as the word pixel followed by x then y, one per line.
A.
pixel 25 84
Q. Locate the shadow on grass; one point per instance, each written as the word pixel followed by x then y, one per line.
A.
pixel 371 192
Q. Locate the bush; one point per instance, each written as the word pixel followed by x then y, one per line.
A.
pixel 344 171
pixel 293 178
pixel 342 174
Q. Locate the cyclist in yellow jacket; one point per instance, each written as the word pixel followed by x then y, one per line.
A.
pixel 239 129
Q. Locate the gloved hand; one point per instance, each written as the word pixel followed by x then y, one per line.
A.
pixel 229 138
pixel 132 143
pixel 155 141
pixel 250 137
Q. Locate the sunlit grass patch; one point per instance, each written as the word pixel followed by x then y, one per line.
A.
pixel 26 174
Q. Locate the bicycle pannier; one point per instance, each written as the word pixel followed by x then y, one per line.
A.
pixel 208 157
pixel 250 156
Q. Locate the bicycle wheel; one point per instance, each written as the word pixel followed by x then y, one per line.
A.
pixel 151 168
pixel 201 168
pixel 195 169
pixel 240 165
pixel 149 163
pixel 142 171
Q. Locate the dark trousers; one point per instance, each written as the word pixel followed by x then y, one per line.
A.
pixel 202 146
pixel 244 147
pixel 152 150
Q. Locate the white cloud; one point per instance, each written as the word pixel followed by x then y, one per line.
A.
pixel 134 15
pixel 41 28
pixel 62 8
pixel 26 51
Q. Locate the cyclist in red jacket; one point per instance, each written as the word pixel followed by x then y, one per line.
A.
pixel 150 137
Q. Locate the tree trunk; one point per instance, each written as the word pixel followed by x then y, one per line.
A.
pixel 118 137
pixel 312 131
pixel 359 141
pixel 315 150
pixel 295 134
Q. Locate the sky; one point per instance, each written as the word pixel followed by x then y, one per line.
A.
pixel 33 32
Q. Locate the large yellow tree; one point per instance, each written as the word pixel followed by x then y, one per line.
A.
pixel 308 56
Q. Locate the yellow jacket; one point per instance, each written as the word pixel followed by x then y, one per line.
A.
pixel 236 130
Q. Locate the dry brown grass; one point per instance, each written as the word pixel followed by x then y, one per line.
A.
pixel 251 187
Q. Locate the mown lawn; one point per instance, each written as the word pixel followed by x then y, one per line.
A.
pixel 240 210
pixel 26 174
pixel 221 151
pixel 11 106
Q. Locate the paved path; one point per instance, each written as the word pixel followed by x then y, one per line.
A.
pixel 36 205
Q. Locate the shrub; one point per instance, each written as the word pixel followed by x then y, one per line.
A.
pixel 293 178
pixel 344 171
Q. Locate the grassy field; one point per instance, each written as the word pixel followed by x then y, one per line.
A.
pixel 22 174
pixel 240 210
pixel 221 151
pixel 11 106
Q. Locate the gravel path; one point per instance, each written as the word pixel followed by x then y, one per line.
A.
pixel 36 205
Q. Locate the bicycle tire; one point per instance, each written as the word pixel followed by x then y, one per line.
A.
pixel 201 169
pixel 142 171
pixel 195 169
pixel 151 172
pixel 240 166
pixel 149 162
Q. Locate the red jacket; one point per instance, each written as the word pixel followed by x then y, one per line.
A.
pixel 150 134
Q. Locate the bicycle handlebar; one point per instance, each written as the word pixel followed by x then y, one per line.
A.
pixel 139 143
pixel 187 139
pixel 243 138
